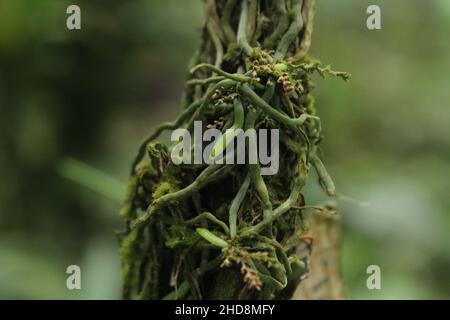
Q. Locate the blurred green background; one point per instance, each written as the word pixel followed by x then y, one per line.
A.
pixel 93 94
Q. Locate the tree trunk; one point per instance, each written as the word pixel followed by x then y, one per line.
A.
pixel 324 280
pixel 199 231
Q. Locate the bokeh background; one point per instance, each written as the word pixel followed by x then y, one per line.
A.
pixel 91 95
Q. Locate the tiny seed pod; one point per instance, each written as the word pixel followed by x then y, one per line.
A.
pixel 212 238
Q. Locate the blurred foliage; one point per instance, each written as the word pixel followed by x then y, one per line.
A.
pixel 93 94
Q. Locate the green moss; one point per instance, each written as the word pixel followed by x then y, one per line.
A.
pixel 130 256
pixel 130 191
pixel 163 188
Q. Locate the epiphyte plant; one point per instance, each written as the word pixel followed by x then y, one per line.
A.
pixel 218 231
pixel 225 146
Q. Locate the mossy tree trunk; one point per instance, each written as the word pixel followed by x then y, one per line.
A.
pixel 226 231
